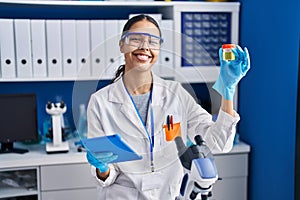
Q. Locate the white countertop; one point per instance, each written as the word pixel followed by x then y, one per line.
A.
pixel 37 156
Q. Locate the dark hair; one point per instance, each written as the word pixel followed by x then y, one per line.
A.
pixel 126 28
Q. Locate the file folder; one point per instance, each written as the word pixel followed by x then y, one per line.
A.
pixel 38 46
pixel 7 49
pixel 98 55
pixel 69 47
pixel 23 48
pixel 112 143
pixel 113 53
pixel 83 47
pixel 54 48
pixel 167 48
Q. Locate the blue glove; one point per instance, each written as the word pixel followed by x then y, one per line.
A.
pixel 231 72
pixel 101 160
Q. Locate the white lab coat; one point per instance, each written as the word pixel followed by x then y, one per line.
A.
pixel 111 111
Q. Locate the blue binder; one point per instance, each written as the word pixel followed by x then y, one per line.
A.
pixel 112 143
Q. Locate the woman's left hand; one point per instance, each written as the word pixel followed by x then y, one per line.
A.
pixel 231 72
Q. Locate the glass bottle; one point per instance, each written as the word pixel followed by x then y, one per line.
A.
pixel 227 51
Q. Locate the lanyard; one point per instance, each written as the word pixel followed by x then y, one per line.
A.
pixel 150 137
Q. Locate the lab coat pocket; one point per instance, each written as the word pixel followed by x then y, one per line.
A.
pixel 120 192
pixel 171 128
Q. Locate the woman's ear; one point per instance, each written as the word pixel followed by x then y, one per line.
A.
pixel 121 45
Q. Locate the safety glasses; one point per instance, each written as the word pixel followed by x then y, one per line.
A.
pixel 137 39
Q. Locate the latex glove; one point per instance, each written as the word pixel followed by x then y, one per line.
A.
pixel 101 160
pixel 231 72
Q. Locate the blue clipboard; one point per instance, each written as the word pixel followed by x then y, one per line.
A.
pixel 111 143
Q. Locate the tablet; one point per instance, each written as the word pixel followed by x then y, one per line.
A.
pixel 111 143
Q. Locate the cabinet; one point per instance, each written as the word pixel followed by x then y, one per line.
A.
pixel 70 181
pixel 22 183
pixel 67 176
pixel 233 171
pixel 53 176
pixel 193 33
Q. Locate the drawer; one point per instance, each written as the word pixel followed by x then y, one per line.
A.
pixel 78 194
pixel 232 165
pixel 59 177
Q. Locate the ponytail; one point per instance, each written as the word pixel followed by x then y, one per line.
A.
pixel 119 72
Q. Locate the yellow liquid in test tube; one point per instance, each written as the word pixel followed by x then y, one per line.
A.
pixel 227 51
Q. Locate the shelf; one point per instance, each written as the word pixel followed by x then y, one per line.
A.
pixel 115 3
pixel 102 10
pixel 6 192
pixel 37 79
pixel 19 182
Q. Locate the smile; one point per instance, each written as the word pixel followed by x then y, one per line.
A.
pixel 143 57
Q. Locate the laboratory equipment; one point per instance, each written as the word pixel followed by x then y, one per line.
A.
pixel 227 51
pixel 82 122
pixel 200 169
pixel 18 121
pixel 56 110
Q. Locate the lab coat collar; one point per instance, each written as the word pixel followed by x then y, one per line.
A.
pixel 118 94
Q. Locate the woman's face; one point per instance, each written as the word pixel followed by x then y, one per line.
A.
pixel 139 49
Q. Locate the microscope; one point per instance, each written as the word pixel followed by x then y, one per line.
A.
pixel 200 169
pixel 56 110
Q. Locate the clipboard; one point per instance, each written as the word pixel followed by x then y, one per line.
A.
pixel 111 143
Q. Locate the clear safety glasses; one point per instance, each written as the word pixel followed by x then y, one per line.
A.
pixel 137 39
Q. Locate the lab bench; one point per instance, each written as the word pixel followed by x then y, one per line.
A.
pixel 67 175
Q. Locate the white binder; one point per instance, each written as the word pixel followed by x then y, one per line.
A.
pixel 98 54
pixel 7 49
pixel 69 58
pixel 83 47
pixel 167 48
pixel 23 48
pixel 121 60
pixel 113 53
pixel 54 48
pixel 38 46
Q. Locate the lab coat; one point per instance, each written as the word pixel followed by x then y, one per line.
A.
pixel 110 111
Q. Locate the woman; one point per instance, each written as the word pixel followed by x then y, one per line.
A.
pixel 136 106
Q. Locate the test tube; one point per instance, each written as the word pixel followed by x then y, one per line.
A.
pixel 227 52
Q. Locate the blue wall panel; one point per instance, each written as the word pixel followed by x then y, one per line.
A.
pixel 71 92
pixel 268 94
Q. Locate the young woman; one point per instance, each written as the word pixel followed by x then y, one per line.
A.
pixel 136 106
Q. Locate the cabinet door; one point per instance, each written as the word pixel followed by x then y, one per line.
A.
pixel 233 169
pixel 71 176
pixel 230 189
pixel 78 194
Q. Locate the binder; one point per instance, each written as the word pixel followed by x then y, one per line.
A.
pixel 98 54
pixel 113 53
pixel 83 48
pixel 23 48
pixel 54 48
pixel 69 58
pixel 7 49
pixel 38 46
pixel 121 60
pixel 167 48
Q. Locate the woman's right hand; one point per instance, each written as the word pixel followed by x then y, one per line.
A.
pixel 101 160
